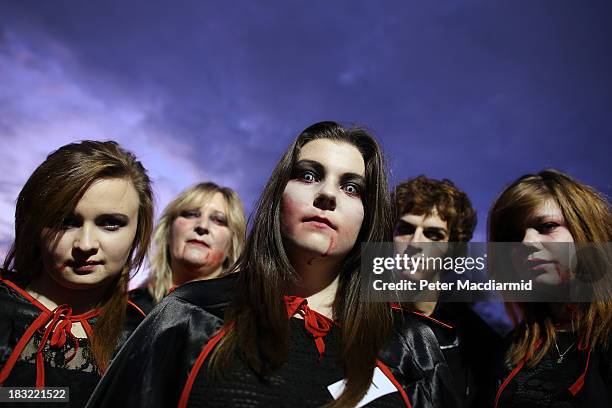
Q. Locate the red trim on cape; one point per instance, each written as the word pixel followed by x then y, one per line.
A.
pixel 573 389
pixel 314 322
pixel 439 322
pixel 193 373
pixel 577 386
pixel 387 372
pixel 57 324
pixel 135 306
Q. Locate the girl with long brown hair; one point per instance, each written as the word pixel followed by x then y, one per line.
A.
pixel 298 331
pixel 82 224
pixel 559 354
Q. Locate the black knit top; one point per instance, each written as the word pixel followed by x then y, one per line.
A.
pixel 300 382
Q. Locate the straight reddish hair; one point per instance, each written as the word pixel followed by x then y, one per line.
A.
pixel 51 194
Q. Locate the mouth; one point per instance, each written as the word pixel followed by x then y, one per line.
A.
pixel 538 264
pixel 198 243
pixel 83 266
pixel 320 222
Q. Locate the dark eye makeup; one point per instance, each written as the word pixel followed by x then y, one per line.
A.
pixel 190 213
pixel 310 171
pixel 404 228
pixel 432 233
pixel 110 222
pixel 219 218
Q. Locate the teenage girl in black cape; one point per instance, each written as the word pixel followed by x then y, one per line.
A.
pixel 82 224
pixel 560 353
pixel 297 323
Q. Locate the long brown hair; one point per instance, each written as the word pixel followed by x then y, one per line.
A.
pixel 258 317
pixel 160 278
pixel 51 194
pixel 588 218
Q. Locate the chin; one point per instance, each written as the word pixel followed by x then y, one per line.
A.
pixel 84 281
pixel 548 279
pixel 83 284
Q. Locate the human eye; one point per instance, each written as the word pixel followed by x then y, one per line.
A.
pixel 112 222
pixel 190 213
pixel 219 219
pixel 353 189
pixel 72 221
pixel 307 176
pixel 434 235
pixel 548 227
pixel 404 228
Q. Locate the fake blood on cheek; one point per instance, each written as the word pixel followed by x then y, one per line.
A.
pixel 214 257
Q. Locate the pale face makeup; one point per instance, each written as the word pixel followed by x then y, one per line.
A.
pixel 200 240
pixel 545 260
pixel 416 235
pixel 96 239
pixel 322 211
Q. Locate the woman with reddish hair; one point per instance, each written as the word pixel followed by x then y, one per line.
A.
pixel 559 354
pixel 82 225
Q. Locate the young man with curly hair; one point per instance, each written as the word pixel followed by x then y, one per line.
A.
pixel 433 218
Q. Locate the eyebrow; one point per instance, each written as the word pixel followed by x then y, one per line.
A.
pixel 540 218
pixel 310 163
pixel 431 228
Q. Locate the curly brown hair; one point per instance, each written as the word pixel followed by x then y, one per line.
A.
pixel 421 195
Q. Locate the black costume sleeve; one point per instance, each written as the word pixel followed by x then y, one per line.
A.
pixel 415 359
pixel 152 367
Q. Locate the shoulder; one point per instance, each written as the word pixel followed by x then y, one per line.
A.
pixel 212 296
pixel 153 365
pixel 413 354
pixel 142 298
pixel 412 340
pixel 14 299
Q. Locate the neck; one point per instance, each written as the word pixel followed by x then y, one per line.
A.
pixel 561 316
pixel 428 306
pixel 182 274
pixel 51 294
pixel 318 282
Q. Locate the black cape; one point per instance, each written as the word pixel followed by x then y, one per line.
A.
pixel 592 389
pixel 469 346
pixel 152 368
pixel 19 313
pixel 143 299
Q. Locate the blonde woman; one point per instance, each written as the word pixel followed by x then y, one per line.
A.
pixel 199 236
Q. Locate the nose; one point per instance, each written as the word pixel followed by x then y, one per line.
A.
pixel 531 236
pixel 532 241
pixel 201 226
pixel 86 240
pixel 418 236
pixel 415 242
pixel 326 197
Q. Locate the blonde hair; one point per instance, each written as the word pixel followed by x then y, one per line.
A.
pixel 160 275
pixel 588 218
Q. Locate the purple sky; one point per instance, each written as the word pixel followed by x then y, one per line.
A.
pixel 478 91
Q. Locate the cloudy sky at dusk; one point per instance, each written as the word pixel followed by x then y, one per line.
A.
pixel 477 91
